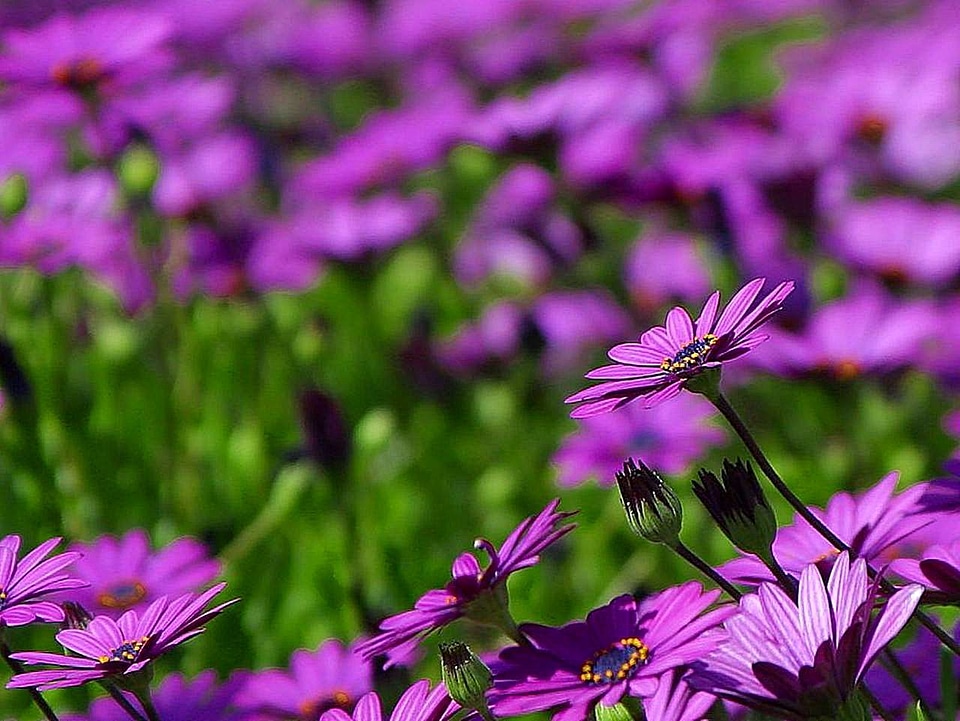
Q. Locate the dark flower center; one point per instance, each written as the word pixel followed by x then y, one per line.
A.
pixel 126 652
pixel 617 662
pixel 691 355
pixel 123 595
pixel 80 74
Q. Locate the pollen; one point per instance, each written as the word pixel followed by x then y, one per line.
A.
pixel 617 662
pixel 127 652
pixel 692 355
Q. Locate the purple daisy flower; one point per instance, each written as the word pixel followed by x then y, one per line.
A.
pixel 667 357
pixel 25 583
pixel 122 573
pixel 418 703
pixel 804 659
pixel 333 676
pixel 674 700
pixel 872 523
pixel 938 569
pixel 401 633
pixel 623 648
pixel 178 699
pixel 108 648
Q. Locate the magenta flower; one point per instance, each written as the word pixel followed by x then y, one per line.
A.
pixel 804 660
pixel 418 703
pixel 401 633
pixel 178 699
pixel 674 700
pixel 24 584
pixel 668 438
pixel 938 570
pixel 333 676
pixel 623 648
pixel 108 648
pixel 872 523
pixel 667 357
pixel 122 573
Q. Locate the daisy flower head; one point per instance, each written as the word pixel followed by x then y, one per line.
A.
pixel 475 592
pixel 418 703
pixel 115 648
pixel 123 573
pixel 26 584
pixel 333 676
pixel 668 357
pixel 621 649
pixel 804 659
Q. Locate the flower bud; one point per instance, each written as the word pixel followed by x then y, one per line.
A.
pixel 138 170
pixel 738 506
pixel 75 616
pixel 466 677
pixel 653 509
pixel 13 195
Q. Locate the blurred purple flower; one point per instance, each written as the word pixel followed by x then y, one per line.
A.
pixel 333 676
pixel 26 583
pixel 107 648
pixel 867 331
pixel 668 438
pixel 418 703
pixel 177 699
pixel 804 659
pixel 123 573
pixel 900 239
pixel 666 357
pixel 400 634
pixel 915 658
pixel 653 252
pixel 873 523
pixel 623 648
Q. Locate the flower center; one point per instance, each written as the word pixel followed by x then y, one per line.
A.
pixel 126 652
pixel 123 595
pixel 80 74
pixel 618 661
pixel 312 709
pixel 691 355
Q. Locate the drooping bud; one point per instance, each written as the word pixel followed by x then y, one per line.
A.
pixel 13 195
pixel 737 504
pixel 75 616
pixel 466 677
pixel 653 509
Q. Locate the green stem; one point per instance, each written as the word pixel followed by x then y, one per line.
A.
pixel 147 702
pixel 876 705
pixel 733 418
pixel 694 560
pixel 38 698
pixel 786 581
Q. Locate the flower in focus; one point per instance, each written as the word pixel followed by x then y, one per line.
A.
pixel 178 699
pixel 113 648
pixel 333 676
pixel 804 660
pixel 674 700
pixel 871 523
pixel 123 573
pixel 737 505
pixel 25 583
pixel 623 648
pixel 667 357
pixel 418 703
pixel 475 592
pixel 668 438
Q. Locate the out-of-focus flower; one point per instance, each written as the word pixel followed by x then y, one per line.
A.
pixel 108 648
pixel 668 437
pixel 623 648
pixel 400 634
pixel 664 267
pixel 418 703
pixel 916 658
pixel 805 659
pixel 123 573
pixel 871 523
pixel 865 332
pixel 667 357
pixel 178 699
pixel 333 676
pixel 26 583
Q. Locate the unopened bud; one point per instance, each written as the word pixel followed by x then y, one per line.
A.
pixel 75 616
pixel 138 170
pixel 13 195
pixel 738 506
pixel 466 677
pixel 653 509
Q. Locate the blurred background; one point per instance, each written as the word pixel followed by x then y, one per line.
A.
pixel 309 281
